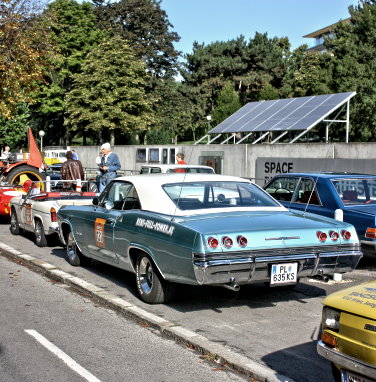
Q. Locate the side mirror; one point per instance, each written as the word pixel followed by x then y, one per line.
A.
pixel 95 201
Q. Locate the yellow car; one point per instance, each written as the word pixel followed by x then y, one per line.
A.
pixel 349 333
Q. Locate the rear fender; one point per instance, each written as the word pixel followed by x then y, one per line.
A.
pixel 136 249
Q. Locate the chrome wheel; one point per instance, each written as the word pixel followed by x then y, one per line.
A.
pixel 146 275
pixel 151 286
pixel 14 227
pixel 40 237
pixel 75 256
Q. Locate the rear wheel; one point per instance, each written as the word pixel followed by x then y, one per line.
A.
pixel 14 227
pixel 40 237
pixel 152 288
pixel 75 256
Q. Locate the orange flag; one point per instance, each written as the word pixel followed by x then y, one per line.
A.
pixel 35 158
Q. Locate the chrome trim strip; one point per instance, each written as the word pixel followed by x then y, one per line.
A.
pixel 349 363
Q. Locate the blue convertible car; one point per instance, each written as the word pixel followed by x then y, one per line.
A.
pixel 203 230
pixel 350 197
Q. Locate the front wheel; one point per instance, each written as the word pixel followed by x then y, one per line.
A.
pixel 152 288
pixel 14 227
pixel 75 256
pixel 40 237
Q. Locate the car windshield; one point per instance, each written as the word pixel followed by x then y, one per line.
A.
pixel 199 195
pixel 356 191
pixel 201 170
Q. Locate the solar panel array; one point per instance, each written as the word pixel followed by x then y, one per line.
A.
pixel 284 114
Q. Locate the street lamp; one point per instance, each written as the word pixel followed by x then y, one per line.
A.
pixel 208 118
pixel 41 134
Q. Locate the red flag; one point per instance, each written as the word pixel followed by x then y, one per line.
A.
pixel 35 158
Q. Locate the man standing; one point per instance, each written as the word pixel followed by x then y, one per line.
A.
pixel 75 155
pixel 109 165
pixel 71 170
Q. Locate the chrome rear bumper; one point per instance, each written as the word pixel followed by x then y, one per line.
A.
pixel 254 267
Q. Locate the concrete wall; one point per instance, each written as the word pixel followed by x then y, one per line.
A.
pixel 240 160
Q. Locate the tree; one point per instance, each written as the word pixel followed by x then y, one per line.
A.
pixel 108 97
pixel 21 53
pixel 353 46
pixel 314 75
pixel 227 104
pixel 145 26
pixel 173 110
pixel 14 130
pixel 72 29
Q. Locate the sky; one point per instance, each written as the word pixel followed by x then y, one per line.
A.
pixel 207 21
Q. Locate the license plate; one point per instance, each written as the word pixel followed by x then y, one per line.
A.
pixel 350 377
pixel 285 273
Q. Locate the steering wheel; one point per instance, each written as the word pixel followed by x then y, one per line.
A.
pixel 285 191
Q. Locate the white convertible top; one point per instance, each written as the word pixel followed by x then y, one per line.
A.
pixel 154 198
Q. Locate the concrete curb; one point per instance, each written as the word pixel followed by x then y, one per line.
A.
pixel 216 352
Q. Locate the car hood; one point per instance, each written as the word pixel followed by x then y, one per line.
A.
pixel 359 300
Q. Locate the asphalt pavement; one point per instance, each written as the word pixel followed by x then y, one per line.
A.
pixel 267 333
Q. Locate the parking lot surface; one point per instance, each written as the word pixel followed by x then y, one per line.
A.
pixel 276 328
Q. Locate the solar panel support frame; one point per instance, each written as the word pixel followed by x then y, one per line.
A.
pixel 343 102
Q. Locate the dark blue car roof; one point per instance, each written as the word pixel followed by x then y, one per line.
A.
pixel 328 175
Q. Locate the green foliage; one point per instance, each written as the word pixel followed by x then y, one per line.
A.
pixel 14 131
pixel 22 53
pixel 314 74
pixel 109 95
pixel 145 26
pixel 354 68
pixel 268 92
pixel 73 31
pixel 227 104
pixel 173 109
pixel 158 137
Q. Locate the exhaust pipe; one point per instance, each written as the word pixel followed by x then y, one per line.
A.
pixel 232 286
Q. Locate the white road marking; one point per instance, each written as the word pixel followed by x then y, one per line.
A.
pixel 64 357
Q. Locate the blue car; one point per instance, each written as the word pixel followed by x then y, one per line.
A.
pixel 202 229
pixel 345 196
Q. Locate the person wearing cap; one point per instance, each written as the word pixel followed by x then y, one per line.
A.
pixel 109 165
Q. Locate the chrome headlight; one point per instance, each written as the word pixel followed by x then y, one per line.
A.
pixel 330 319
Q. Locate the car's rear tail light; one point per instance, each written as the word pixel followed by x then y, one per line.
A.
pixel 371 233
pixel 346 234
pixel 227 242
pixel 53 214
pixel 242 241
pixel 212 242
pixel 333 235
pixel 322 236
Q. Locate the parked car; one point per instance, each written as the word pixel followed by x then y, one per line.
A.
pixel 168 168
pixel 200 230
pixel 7 193
pixel 348 338
pixel 330 194
pixel 36 210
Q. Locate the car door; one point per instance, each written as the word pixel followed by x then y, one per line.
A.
pixel 98 227
pixel 25 212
